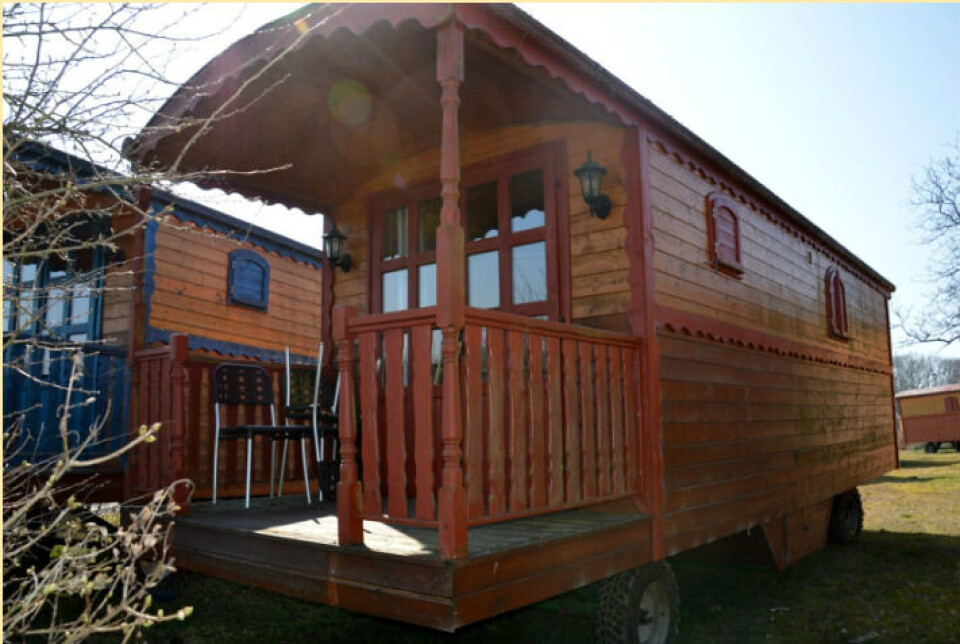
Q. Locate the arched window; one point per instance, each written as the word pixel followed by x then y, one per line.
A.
pixel 248 281
pixel 836 304
pixel 723 226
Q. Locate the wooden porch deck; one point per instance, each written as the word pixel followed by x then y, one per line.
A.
pixel 289 547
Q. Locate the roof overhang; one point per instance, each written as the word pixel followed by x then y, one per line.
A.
pixel 309 107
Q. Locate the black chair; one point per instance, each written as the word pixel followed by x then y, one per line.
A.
pixel 251 386
pixel 309 399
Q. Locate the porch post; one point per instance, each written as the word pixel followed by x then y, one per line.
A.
pixel 638 217
pixel 175 467
pixel 450 293
pixel 349 522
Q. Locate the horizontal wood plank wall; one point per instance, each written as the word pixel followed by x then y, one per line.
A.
pixel 926 405
pixel 750 432
pixel 781 290
pixel 115 319
pixel 748 435
pixel 190 295
pixel 598 265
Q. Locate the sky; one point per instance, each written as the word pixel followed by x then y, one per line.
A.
pixel 833 107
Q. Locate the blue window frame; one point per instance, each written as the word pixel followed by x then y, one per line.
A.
pixel 248 282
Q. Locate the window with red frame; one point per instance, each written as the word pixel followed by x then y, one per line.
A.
pixel 951 403
pixel 836 295
pixel 723 226
pixel 509 217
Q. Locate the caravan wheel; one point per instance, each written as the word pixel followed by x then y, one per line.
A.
pixel 846 519
pixel 639 606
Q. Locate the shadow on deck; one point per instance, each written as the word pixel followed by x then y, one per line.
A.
pixel 290 547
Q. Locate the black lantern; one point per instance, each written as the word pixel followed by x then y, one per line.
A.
pixel 333 249
pixel 590 175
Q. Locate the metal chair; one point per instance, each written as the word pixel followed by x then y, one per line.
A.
pixel 306 400
pixel 250 385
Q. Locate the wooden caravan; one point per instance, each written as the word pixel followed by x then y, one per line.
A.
pixel 182 273
pixel 610 376
pixel 930 416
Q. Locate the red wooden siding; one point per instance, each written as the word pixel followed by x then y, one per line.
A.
pixel 749 435
pixel 764 411
pixel 781 290
pixel 184 405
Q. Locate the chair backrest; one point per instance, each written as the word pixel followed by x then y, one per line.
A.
pixel 242 384
pixel 303 385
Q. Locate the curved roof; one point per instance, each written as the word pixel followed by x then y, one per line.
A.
pixel 308 107
pixel 929 391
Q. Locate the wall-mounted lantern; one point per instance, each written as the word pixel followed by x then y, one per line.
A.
pixel 590 175
pixel 333 249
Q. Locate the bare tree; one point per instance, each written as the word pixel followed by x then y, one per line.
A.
pixel 79 78
pixel 82 79
pixel 918 371
pixel 936 195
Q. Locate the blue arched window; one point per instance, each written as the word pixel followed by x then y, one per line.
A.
pixel 248 282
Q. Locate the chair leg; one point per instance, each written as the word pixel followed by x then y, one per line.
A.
pixel 320 446
pixel 216 452
pixel 249 462
pixel 303 458
pixel 273 465
pixel 283 466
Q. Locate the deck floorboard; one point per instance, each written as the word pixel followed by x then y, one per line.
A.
pixel 291 518
pixel 288 546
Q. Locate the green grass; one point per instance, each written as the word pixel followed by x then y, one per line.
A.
pixel 899 583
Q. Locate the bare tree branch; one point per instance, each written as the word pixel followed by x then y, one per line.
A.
pixel 936 196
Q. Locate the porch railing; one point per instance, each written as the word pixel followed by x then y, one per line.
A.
pixel 549 415
pixel 174 387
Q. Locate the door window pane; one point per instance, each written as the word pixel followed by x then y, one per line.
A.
pixel 7 296
pixel 427 295
pixel 395 231
pixel 395 291
pixel 56 307
pixel 80 308
pixel 526 201
pixel 483 282
pixel 529 273
pixel 429 220
pixel 482 212
pixel 26 302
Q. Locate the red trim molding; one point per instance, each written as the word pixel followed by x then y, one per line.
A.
pixel 671 320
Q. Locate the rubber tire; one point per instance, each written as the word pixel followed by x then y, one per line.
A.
pixel 931 448
pixel 846 518
pixel 623 602
pixel 956 445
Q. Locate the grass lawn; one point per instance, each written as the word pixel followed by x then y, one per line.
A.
pixel 899 583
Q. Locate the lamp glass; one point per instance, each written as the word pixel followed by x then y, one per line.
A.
pixel 333 245
pixel 590 175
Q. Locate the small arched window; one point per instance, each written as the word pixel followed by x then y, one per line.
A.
pixel 248 281
pixel 723 226
pixel 836 304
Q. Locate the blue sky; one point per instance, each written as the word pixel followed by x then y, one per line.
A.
pixel 833 107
